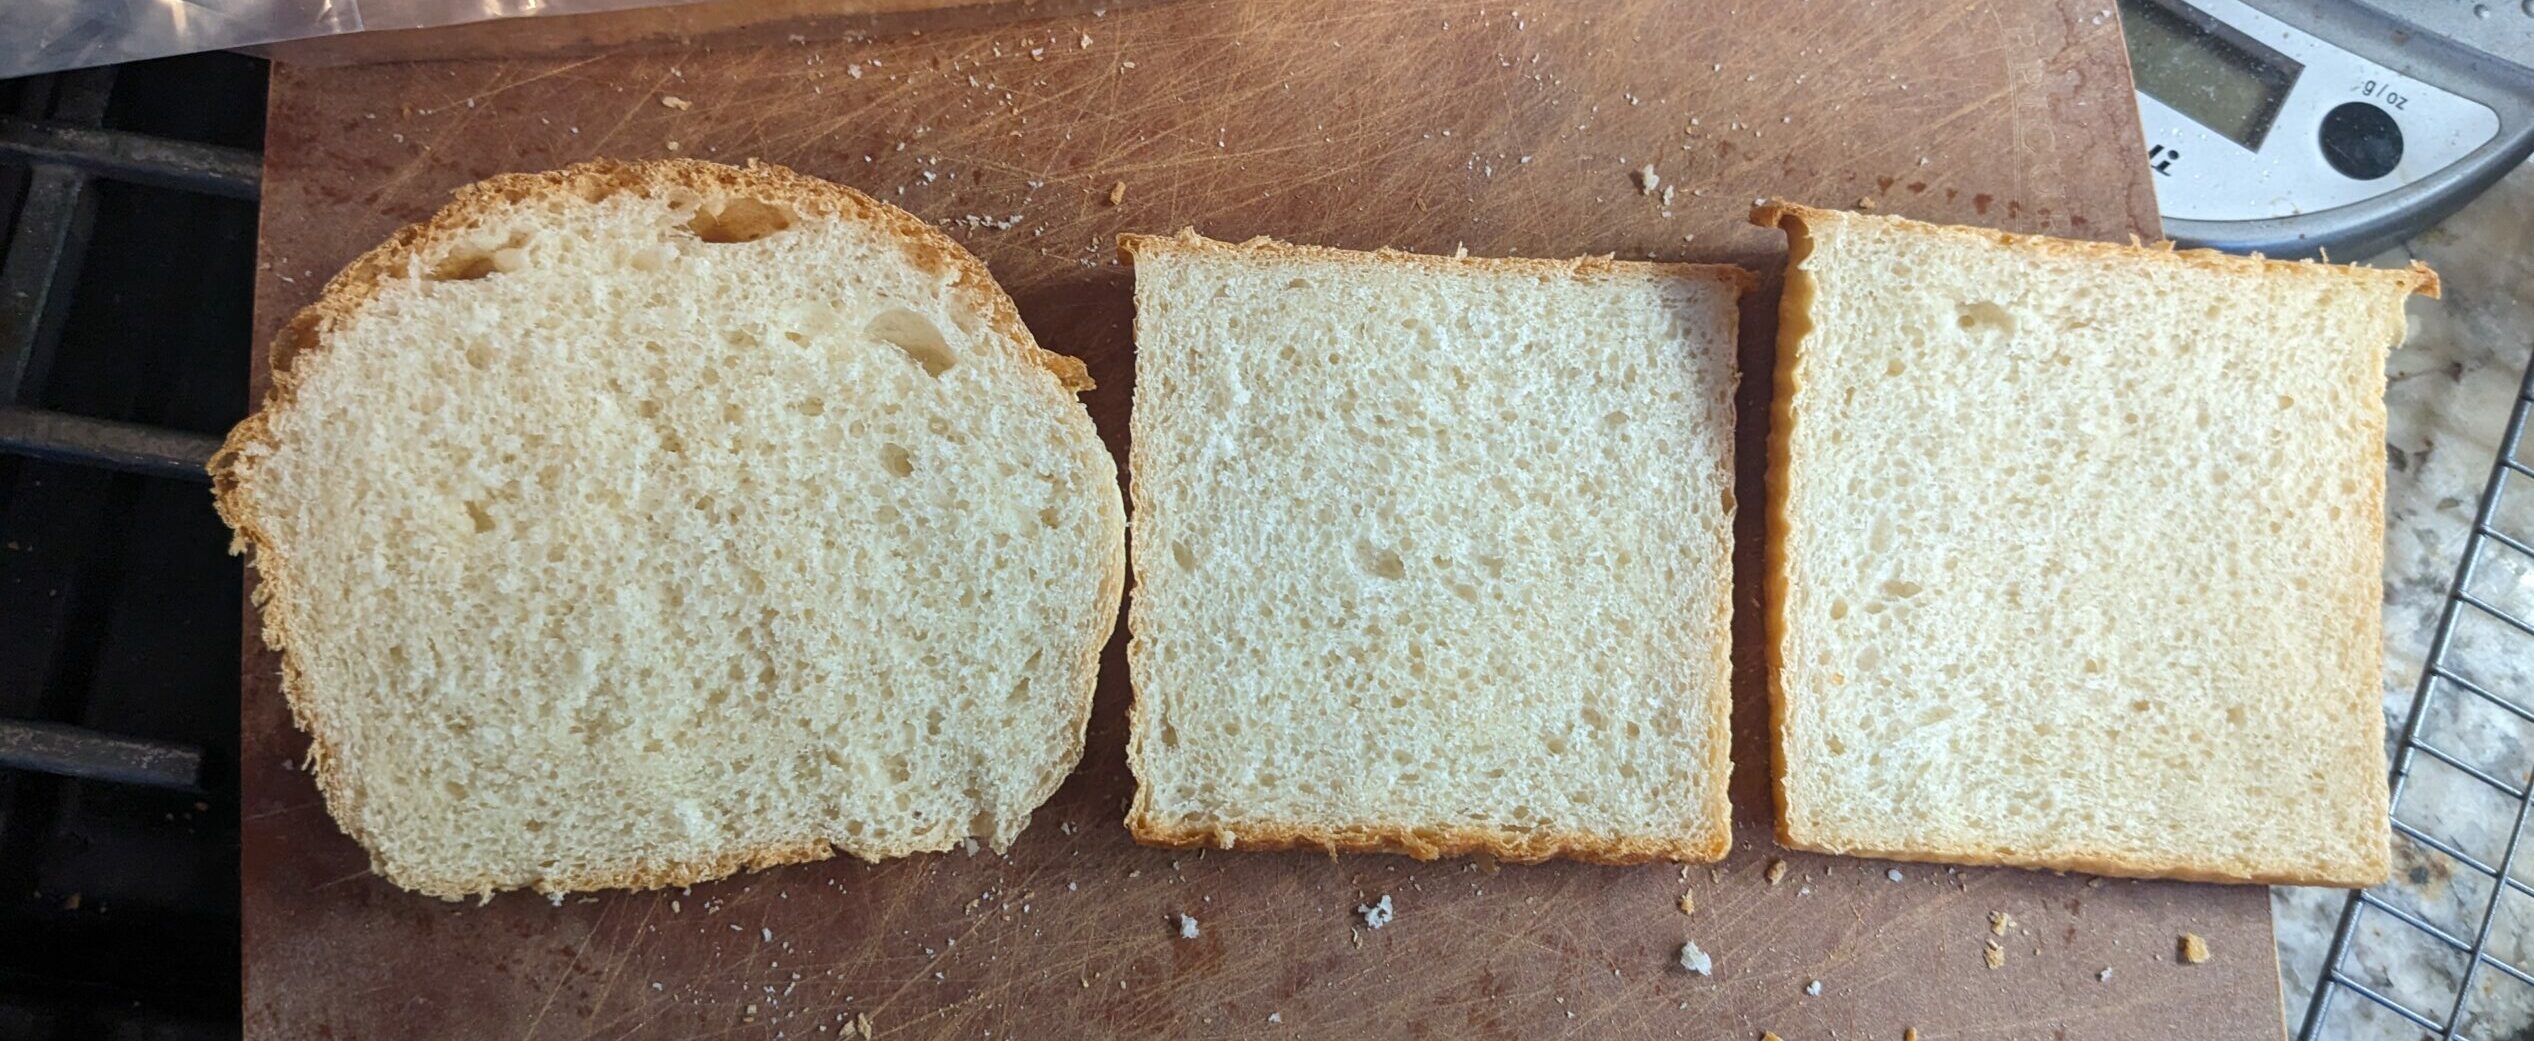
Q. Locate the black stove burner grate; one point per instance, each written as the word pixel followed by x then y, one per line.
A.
pixel 127 202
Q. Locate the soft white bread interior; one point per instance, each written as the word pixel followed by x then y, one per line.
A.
pixel 631 525
pixel 2074 553
pixel 1433 554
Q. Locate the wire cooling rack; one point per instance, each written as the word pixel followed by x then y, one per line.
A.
pixel 2444 949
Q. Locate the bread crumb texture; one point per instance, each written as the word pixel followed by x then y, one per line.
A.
pixel 2076 553
pixel 2194 949
pixel 1432 554
pixel 1993 954
pixel 631 525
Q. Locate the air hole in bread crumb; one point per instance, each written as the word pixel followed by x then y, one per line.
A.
pixel 1984 316
pixel 1378 561
pixel 483 520
pixel 916 336
pixel 1838 609
pixel 738 220
pixel 1181 555
pixel 1899 589
pixel 896 460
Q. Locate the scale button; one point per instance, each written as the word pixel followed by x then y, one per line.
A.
pixel 2360 140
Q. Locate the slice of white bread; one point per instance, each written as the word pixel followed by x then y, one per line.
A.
pixel 632 525
pixel 2074 553
pixel 1433 554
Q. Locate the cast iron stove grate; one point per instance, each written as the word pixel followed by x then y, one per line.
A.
pixel 127 209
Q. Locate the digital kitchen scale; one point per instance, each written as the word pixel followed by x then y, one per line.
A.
pixel 2290 127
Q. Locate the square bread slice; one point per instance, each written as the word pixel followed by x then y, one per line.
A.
pixel 2075 553
pixel 1432 554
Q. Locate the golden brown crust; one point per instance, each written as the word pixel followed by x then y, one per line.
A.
pixel 1428 843
pixel 413 248
pixel 1794 324
pixel 2416 278
pixel 1189 241
pixel 2120 865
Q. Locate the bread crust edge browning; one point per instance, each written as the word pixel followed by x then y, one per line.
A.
pixel 1432 842
pixel 2341 874
pixel 360 281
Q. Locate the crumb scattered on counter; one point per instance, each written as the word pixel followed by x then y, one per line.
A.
pixel 1999 922
pixel 1187 927
pixel 1272 1017
pixel 1648 182
pixel 1696 960
pixel 2194 949
pixel 1776 872
pixel 1378 913
pixel 676 102
pixel 1689 902
pixel 862 1025
pixel 1909 1034
pixel 1117 194
pixel 1894 874
pixel 1769 1036
pixel 1994 955
pixel 2104 976
pixel 1812 989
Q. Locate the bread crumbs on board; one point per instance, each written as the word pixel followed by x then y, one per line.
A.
pixel 1994 955
pixel 1378 913
pixel 1648 182
pixel 676 102
pixel 1689 902
pixel 2194 949
pixel 1909 1034
pixel 1999 922
pixel 1117 194
pixel 1770 1036
pixel 1776 872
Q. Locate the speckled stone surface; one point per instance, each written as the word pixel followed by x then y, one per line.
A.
pixel 2451 386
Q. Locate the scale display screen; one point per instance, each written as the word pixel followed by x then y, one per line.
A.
pixel 2220 78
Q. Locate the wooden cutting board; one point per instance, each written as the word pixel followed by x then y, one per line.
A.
pixel 1426 126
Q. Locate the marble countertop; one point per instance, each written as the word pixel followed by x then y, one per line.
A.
pixel 2449 392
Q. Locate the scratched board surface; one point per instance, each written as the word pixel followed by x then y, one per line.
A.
pixel 1425 126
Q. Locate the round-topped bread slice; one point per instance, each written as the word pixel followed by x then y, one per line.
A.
pixel 636 524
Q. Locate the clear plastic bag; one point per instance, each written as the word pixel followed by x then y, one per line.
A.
pixel 51 35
